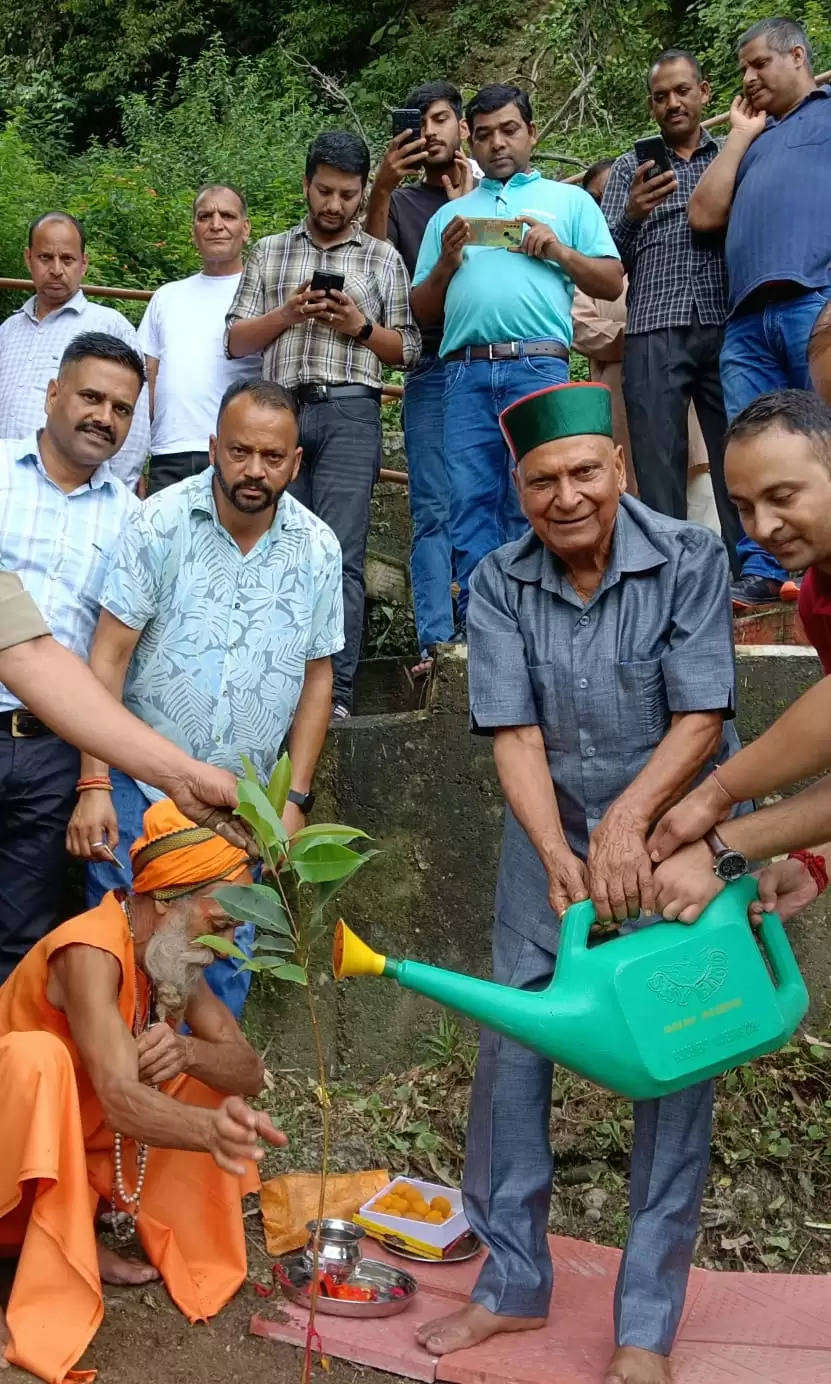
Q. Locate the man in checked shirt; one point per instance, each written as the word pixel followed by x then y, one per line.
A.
pixel 677 298
pixel 328 348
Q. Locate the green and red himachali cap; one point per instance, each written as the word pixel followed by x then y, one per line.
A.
pixel 562 410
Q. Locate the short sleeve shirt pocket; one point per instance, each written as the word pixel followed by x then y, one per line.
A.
pixel 645 710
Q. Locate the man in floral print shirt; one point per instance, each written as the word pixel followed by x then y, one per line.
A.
pixel 220 615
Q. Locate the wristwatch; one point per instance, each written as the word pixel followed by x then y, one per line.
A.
pixel 728 864
pixel 366 331
pixel 305 801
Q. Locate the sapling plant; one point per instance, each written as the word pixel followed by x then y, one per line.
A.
pixel 301 874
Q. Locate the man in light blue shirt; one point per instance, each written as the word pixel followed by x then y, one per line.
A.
pixel 507 311
pixel 33 339
pixel 61 513
pixel 221 613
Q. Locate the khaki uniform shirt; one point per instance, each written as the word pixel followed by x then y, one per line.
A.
pixel 20 619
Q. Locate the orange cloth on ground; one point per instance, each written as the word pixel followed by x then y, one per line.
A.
pixel 290 1201
pixel 57 1161
pixel 174 853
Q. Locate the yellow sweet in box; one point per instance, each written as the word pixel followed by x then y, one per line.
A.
pixel 406 1202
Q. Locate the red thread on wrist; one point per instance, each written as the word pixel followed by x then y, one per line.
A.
pixel 816 867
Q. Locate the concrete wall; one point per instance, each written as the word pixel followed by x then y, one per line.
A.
pixel 426 791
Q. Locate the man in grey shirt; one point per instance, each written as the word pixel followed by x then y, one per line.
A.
pixel 601 662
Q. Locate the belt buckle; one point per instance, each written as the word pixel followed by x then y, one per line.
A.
pixel 490 352
pixel 19 717
pixel 320 394
pixel 515 345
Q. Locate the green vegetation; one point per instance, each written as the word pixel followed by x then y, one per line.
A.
pixel 767 1197
pixel 118 111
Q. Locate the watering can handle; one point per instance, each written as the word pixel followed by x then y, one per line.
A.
pixel 576 924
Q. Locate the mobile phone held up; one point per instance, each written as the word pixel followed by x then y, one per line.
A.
pixel 653 148
pixel 494 233
pixel 325 281
pixel 407 118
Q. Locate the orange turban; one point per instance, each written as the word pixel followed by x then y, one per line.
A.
pixel 174 856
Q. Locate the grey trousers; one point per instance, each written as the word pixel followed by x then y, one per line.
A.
pixel 341 441
pixel 509 1171
pixel 662 371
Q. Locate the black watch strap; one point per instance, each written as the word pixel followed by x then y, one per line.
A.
pixel 305 801
pixel 366 331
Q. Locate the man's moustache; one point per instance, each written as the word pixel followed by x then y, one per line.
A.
pixel 106 433
pixel 250 485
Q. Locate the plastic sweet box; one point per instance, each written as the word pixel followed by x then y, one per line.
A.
pixel 425 1239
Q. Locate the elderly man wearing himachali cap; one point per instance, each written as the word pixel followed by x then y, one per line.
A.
pixel 601 663
pixel 106 1104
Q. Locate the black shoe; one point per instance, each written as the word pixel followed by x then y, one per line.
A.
pixel 749 593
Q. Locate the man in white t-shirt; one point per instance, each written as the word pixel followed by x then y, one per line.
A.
pixel 181 335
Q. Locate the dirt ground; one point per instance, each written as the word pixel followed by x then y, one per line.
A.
pixel 146 1340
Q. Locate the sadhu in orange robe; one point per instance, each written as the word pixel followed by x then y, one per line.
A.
pixel 57 1161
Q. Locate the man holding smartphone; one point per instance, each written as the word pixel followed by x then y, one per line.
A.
pixel 770 188
pixel 432 147
pixel 327 346
pixel 506 311
pixel 677 300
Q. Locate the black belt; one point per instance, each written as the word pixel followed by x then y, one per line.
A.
pixel 782 291
pixel 319 393
pixel 510 350
pixel 22 725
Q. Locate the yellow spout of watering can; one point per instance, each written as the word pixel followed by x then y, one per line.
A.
pixel 352 957
pixel 644 1014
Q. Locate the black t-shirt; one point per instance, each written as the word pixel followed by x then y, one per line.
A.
pixel 411 207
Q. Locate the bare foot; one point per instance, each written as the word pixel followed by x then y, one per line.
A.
pixel 4 1341
pixel 631 1365
pixel 469 1326
pixel 113 1268
pixel 424 667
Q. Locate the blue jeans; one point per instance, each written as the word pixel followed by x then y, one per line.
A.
pixel 509 1171
pixel 430 551
pixel 484 507
pixel 224 977
pixel 764 351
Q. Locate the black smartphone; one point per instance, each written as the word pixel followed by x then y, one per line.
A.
pixel 325 280
pixel 653 148
pixel 407 118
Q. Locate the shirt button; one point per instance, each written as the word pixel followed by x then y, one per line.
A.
pixel 584 620
pixel 237 605
pixel 584 682
pixel 591 750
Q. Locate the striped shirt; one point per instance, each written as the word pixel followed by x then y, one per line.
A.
pixel 673 270
pixel 60 545
pixel 30 353
pixel 310 352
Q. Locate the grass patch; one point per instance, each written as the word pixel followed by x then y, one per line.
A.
pixel 768 1199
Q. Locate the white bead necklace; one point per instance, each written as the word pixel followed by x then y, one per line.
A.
pixel 130 1201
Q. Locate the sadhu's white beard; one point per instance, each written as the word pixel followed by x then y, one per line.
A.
pixel 174 964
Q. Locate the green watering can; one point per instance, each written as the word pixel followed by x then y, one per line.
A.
pixel 643 1014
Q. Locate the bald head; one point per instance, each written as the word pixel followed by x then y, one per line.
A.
pixel 819 354
pixel 56 259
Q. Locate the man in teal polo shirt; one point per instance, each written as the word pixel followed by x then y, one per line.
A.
pixel 507 312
